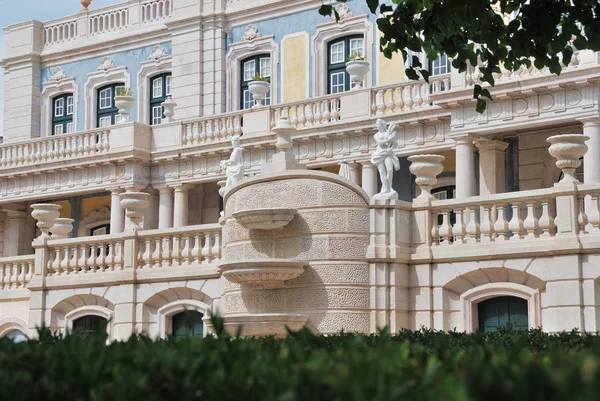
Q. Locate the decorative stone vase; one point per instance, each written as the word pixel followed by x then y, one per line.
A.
pixel 62 228
pixel 45 214
pixel 284 130
pixel 124 104
pixel 269 273
pixel 134 204
pixel 169 106
pixel 265 219
pixel 85 4
pixel 357 70
pixel 259 90
pixel 568 149
pixel 426 168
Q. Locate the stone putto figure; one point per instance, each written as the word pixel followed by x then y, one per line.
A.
pixel 385 159
pixel 234 167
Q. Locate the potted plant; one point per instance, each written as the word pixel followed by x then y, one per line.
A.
pixel 259 87
pixel 124 102
pixel 357 67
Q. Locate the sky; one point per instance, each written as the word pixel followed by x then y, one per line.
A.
pixel 13 11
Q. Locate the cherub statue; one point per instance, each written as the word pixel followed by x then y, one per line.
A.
pixel 385 159
pixel 234 167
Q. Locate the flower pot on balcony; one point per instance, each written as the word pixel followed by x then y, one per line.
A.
pixel 124 104
pixel 134 204
pixel 169 107
pixel 568 150
pixel 265 219
pixel 357 69
pixel 45 214
pixel 259 90
pixel 62 228
pixel 426 169
pixel 271 273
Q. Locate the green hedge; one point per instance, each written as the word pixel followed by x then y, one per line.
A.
pixel 422 365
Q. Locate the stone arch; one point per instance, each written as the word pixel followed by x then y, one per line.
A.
pixel 13 323
pixel 463 293
pixel 69 309
pixel 159 308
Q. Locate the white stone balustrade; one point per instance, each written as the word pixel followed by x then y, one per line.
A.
pixel 16 271
pixel 60 32
pixel 407 96
pixel 310 112
pixel 156 10
pixel 98 254
pixel 211 129
pixel 193 245
pixel 108 21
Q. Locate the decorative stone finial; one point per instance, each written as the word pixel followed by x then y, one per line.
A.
pixel 106 64
pixel 62 228
pixel 169 106
pixel 45 214
pixel 426 168
pixel 85 4
pixel 58 74
pixel 568 150
pixel 251 33
pixel 284 159
pixel 157 53
pixel 134 204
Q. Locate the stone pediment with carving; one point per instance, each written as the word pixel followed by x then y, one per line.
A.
pixel 102 214
pixel 58 74
pixel 106 64
pixel 251 33
pixel 157 53
pixel 343 12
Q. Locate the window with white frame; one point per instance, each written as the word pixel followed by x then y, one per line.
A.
pixel 439 66
pixel 107 111
pixel 256 65
pixel 338 50
pixel 161 88
pixel 62 115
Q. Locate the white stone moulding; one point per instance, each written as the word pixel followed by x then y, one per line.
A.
pixel 269 273
pixel 265 219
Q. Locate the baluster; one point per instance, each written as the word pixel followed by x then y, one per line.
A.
pixel 14 276
pixel 318 113
pixel 237 126
pixel 186 252
pixel 380 102
pixel 147 257
pixel 3 276
pixel 202 134
pixel 531 222
pixel 56 261
pixel 301 116
pixel 91 261
pixel 64 264
pixel 594 213
pixel 197 250
pixel 101 259
pixel 216 249
pixel 582 219
pixel 435 230
pixel 486 228
pixel 294 115
pixel 389 95
pixel 516 223
pixel 425 91
pixel 118 258
pixel 21 274
pixel 501 224
pixel 176 255
pixel 86 144
pixel 473 229
pixel 445 230
pixel 157 256
pixel 398 102
pixel 166 251
pixel 418 98
pixel 105 141
pixel 110 257
pixel 308 112
pixel 82 264
pixel 459 229
pixel 29 275
pixel 206 249
pixel 546 221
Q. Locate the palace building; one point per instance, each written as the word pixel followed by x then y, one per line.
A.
pixel 163 158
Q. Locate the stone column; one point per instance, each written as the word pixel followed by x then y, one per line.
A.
pixel 117 214
pixel 491 166
pixel 354 172
pixel 165 208
pixel 14 232
pixel 591 160
pixel 180 211
pixel 369 178
pixel 465 168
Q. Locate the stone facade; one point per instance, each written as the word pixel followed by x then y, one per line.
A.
pixel 506 217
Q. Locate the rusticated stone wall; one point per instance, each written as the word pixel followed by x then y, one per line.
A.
pixel 330 232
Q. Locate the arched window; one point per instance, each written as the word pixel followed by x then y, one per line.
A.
pixel 188 323
pixel 160 90
pixel 255 65
pixel 499 311
pixel 62 114
pixel 107 112
pixel 16 336
pixel 89 324
pixel 338 51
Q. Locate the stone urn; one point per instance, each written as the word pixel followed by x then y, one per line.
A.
pixel 169 108
pixel 568 150
pixel 124 104
pixel 426 168
pixel 134 204
pixel 45 214
pixel 357 70
pixel 62 228
pixel 259 90
pixel 85 4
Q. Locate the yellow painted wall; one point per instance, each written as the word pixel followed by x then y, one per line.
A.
pixel 450 162
pixel 88 205
pixel 65 210
pixel 295 67
pixel 391 71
